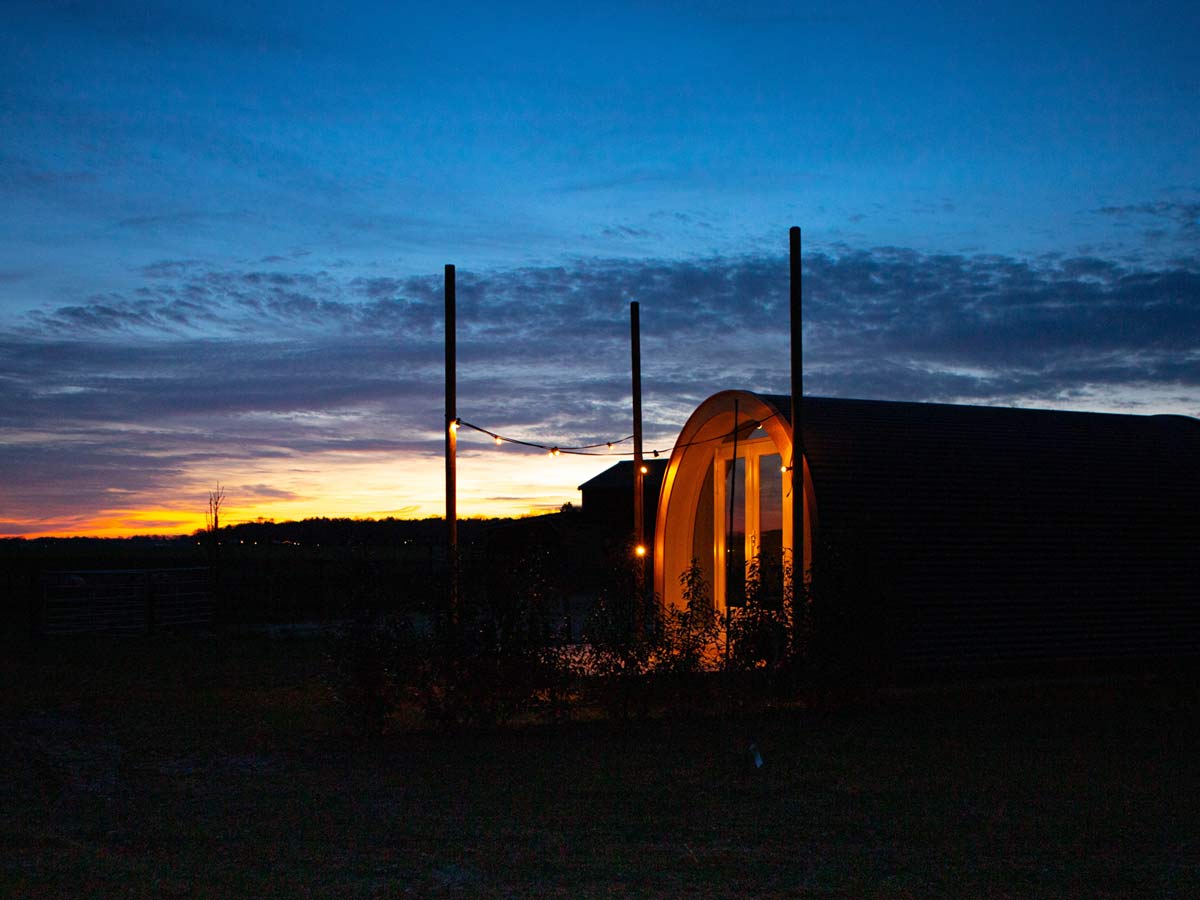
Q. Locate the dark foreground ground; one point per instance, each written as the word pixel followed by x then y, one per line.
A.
pixel 214 768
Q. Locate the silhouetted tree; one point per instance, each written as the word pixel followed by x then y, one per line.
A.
pixel 216 498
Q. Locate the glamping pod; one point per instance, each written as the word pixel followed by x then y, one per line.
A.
pixel 975 534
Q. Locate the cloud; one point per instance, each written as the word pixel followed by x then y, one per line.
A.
pixel 182 219
pixel 178 21
pixel 18 174
pixel 201 369
pixel 258 491
pixel 626 231
pixel 1184 216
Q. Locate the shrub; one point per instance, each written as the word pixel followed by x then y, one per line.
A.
pixel 620 637
pixel 689 637
pixel 760 631
pixel 373 662
pixel 502 657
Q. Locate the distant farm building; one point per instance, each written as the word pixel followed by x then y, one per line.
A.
pixel 608 498
pixel 970 534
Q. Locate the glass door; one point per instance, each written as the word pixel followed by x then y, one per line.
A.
pixel 749 524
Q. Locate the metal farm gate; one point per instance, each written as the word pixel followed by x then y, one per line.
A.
pixel 125 601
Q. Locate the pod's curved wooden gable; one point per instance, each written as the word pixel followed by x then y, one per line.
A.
pixel 996 534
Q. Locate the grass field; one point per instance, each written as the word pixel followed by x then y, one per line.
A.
pixel 214 767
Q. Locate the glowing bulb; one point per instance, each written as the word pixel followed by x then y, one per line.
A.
pixel 610 445
pixel 784 468
pixel 496 438
pixel 554 451
pixel 640 550
pixel 454 425
pixel 645 470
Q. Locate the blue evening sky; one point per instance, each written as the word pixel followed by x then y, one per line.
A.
pixel 224 225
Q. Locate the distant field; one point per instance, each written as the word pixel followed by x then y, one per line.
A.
pixel 213 767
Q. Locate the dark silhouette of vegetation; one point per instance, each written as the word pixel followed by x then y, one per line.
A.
pixel 504 654
pixel 367 678
pixel 554 618
pixel 500 660
pixel 760 635
pixel 514 654
pixel 618 648
pixel 690 635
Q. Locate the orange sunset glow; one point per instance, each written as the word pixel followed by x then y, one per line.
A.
pixel 507 482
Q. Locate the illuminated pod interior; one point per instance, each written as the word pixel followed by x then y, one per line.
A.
pixel 723 510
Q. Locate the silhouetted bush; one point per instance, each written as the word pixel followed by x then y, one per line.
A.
pixel 760 632
pixel 688 639
pixel 498 654
pixel 507 650
pixel 619 641
pixel 373 661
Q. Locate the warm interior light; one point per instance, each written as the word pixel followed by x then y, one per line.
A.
pixel 640 550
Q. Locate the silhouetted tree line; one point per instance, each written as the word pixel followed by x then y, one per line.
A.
pixel 319 568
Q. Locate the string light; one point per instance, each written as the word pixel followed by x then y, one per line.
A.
pixel 586 449
pixel 645 469
pixel 551 449
pixel 640 550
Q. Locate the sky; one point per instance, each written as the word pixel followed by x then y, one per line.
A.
pixel 223 228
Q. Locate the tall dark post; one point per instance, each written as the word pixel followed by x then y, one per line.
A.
pixel 639 481
pixel 451 427
pixel 797 410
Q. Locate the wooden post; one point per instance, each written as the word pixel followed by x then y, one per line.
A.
pixel 635 341
pixel 639 478
pixel 797 412
pixel 732 575
pixel 451 429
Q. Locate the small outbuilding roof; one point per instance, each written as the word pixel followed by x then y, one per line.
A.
pixel 620 476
